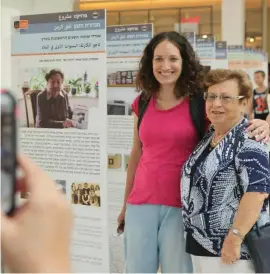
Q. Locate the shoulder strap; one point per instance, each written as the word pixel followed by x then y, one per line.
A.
pixel 143 104
pixel 197 112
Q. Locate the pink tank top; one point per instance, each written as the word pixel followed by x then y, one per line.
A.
pixel 168 138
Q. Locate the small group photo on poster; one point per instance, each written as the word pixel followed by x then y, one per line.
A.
pixel 87 194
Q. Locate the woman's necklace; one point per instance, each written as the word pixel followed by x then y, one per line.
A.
pixel 215 143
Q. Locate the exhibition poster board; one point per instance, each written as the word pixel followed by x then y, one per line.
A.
pixel 211 53
pixel 249 60
pixel 63 125
pixel 125 44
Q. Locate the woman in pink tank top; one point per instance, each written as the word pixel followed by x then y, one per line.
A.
pixel 169 75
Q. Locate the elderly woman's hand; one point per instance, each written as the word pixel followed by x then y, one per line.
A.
pixel 231 249
pixel 259 129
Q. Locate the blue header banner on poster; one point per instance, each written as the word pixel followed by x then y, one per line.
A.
pixel 236 52
pixel 235 48
pixel 76 16
pixel 205 47
pixel 64 27
pixel 58 33
pixel 221 50
pixel 128 40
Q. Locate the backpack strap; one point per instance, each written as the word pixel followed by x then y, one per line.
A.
pixel 143 104
pixel 197 112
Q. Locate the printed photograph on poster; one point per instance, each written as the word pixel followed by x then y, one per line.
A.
pixel 119 107
pixel 121 77
pixel 54 98
pixel 115 161
pixel 60 184
pixel 87 194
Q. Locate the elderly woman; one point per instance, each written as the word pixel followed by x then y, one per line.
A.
pixel 226 180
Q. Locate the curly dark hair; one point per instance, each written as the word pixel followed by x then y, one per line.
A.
pixel 192 71
pixel 52 73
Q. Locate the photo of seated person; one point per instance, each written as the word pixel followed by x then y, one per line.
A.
pixel 86 188
pixel 85 198
pixel 94 201
pixel 53 109
pixel 97 192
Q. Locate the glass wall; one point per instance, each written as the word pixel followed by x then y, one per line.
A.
pixel 164 20
pixel 113 18
pixel 187 17
pixel 253 26
pixel 197 19
pixel 133 17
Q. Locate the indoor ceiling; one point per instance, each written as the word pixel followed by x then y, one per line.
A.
pixel 249 3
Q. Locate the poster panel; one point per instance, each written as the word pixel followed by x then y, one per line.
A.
pixel 125 45
pixel 59 77
pixel 191 37
pixel 249 60
pixel 205 48
pixel 221 58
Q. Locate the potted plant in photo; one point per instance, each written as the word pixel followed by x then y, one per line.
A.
pixel 87 88
pixel 37 83
pixel 76 85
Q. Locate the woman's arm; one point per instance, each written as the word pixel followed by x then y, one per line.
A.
pixel 249 211
pixel 246 216
pixel 253 165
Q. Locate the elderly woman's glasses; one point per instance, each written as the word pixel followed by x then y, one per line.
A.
pixel 225 99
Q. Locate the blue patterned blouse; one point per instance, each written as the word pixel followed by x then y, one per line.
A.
pixel 212 187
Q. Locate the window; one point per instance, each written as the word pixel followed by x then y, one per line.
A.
pixel 197 20
pixel 112 18
pixel 254 25
pixel 164 19
pixel 134 17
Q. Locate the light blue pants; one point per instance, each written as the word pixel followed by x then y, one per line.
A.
pixel 154 235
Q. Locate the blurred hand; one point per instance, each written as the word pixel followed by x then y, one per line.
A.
pixel 37 237
pixel 67 123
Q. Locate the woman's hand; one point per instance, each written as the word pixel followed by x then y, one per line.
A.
pixel 121 216
pixel 259 129
pixel 231 249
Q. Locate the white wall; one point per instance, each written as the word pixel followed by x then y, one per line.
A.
pixel 11 8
